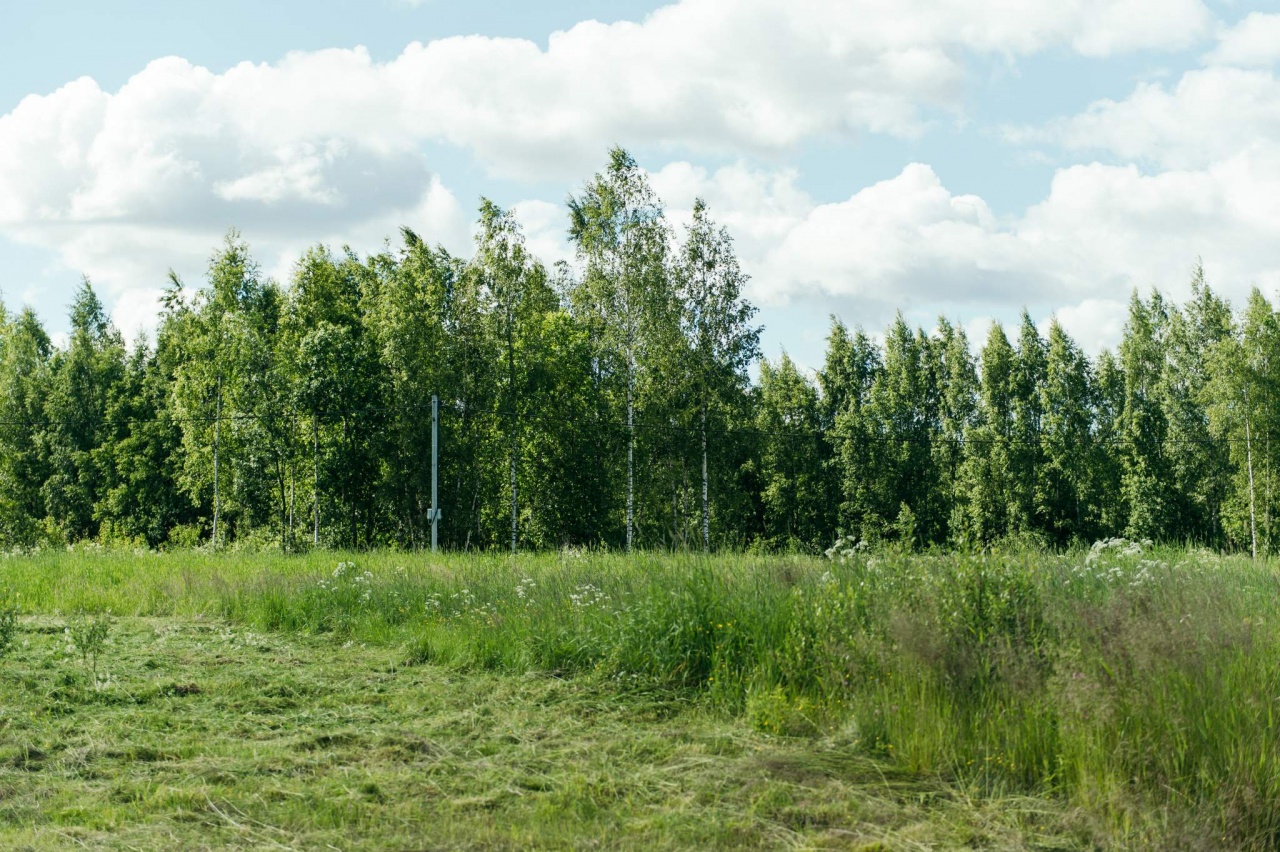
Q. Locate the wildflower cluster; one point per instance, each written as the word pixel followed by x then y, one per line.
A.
pixel 524 590
pixel 1115 547
pixel 462 604
pixel 1107 564
pixel 845 548
pixel 588 595
pixel 347 576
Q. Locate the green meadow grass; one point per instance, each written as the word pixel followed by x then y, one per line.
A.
pixel 1104 700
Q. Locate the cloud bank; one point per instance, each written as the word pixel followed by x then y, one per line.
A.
pixel 332 145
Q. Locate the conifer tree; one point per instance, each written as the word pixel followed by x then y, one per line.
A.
pixel 1109 450
pixel 1201 464
pixel 959 380
pixel 1063 496
pixel 84 376
pixel 852 364
pixel 1025 457
pixel 984 513
pixel 793 489
pixel 518 298
pixel 1147 479
pixel 25 355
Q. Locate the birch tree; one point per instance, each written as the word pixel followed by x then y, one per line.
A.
pixel 721 341
pixel 517 296
pixel 620 232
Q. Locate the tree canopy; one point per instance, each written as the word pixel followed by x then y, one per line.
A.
pixel 620 401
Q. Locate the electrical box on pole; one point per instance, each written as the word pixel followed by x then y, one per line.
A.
pixel 435 470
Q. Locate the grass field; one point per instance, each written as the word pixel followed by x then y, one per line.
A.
pixel 385 700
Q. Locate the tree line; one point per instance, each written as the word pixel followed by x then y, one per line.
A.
pixel 610 403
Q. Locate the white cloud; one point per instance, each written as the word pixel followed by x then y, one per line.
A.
pixel 902 242
pixel 328 145
pixel 899 243
pixel 545 228
pixel 1195 171
pixel 759 207
pixel 1127 228
pixel 135 311
pixel 1096 324
pixel 738 75
pixel 909 243
pixel 1254 42
pixel 1208 115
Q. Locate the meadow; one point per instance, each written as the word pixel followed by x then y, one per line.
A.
pixel 1109 698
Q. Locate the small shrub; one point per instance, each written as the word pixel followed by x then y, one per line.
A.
pixel 88 635
pixel 772 711
pixel 184 537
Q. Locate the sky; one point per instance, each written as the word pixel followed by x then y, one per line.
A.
pixel 967 158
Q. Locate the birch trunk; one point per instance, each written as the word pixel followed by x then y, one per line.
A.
pixel 631 458
pixel 706 503
pixel 315 481
pixel 1253 517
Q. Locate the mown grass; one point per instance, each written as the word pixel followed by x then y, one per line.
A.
pixel 1135 691
pixel 200 734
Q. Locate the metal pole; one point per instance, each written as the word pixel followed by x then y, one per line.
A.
pixel 217 436
pixel 435 461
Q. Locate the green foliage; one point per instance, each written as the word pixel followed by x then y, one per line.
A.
pixel 24 462
pixel 791 469
pixel 609 403
pixel 9 612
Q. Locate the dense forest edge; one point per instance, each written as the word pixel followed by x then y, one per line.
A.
pixel 610 403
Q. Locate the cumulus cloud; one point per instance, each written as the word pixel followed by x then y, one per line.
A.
pixel 900 242
pixel 328 145
pixel 1194 170
pixel 760 207
pixel 1254 42
pixel 737 75
pixel 1191 170
pixel 545 229
pixel 1096 324
pixel 896 243
pixel 909 243
pixel 123 186
pixel 1208 115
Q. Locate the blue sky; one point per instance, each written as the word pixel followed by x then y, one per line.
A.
pixel 935 156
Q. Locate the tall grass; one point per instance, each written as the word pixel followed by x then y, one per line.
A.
pixel 1130 683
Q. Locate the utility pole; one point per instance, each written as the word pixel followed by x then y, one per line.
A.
pixel 435 465
pixel 315 480
pixel 217 436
